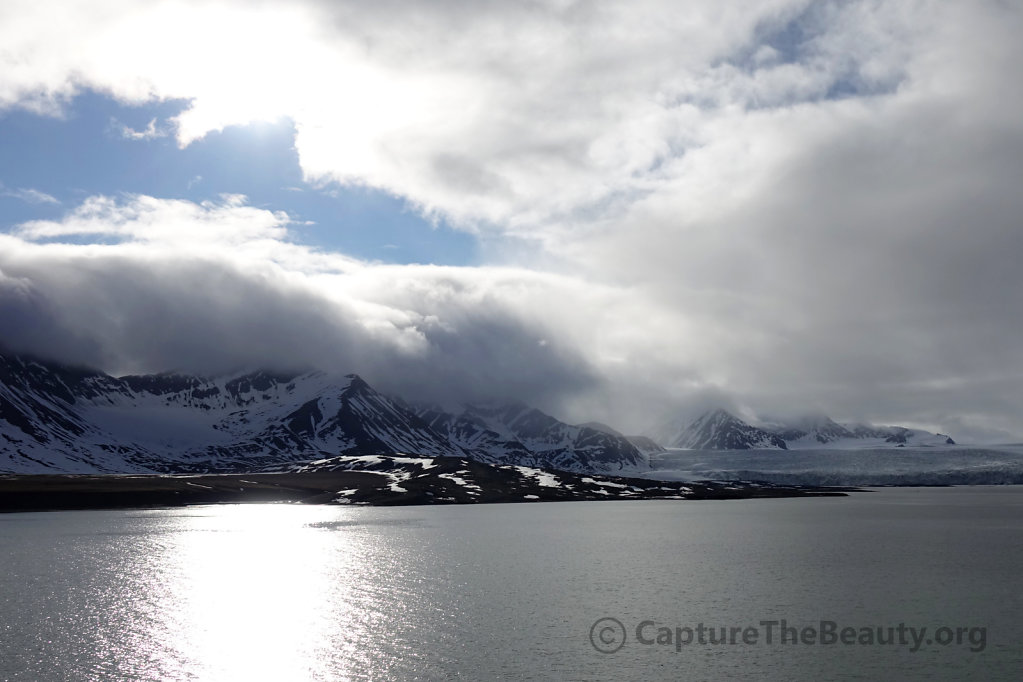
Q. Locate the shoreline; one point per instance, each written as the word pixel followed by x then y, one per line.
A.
pixel 449 481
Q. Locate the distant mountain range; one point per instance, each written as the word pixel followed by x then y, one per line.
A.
pixel 55 418
pixel 60 419
pixel 720 430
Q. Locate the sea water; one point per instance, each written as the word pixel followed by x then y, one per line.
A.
pixel 907 583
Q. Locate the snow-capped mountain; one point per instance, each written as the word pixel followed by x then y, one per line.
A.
pixel 519 434
pixel 644 444
pixel 54 418
pixel 59 419
pixel 817 431
pixel 720 430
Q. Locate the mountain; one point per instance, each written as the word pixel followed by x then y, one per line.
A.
pixel 814 433
pixel 720 430
pixel 818 429
pixel 55 418
pixel 645 444
pixel 603 428
pixel 519 434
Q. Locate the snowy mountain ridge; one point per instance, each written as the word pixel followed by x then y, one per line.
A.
pixel 60 419
pixel 718 429
pixel 519 434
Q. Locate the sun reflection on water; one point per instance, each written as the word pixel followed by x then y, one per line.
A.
pixel 254 592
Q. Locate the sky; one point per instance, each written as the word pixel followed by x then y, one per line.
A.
pixel 615 211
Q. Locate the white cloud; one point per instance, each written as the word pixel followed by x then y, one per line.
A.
pixel 150 132
pixel 208 287
pixel 163 222
pixel 499 112
pixel 31 196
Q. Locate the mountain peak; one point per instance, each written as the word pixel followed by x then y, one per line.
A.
pixel 719 429
pixel 56 419
pixel 603 428
pixel 356 383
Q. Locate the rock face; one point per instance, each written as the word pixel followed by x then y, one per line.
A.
pixel 720 430
pixel 645 444
pixel 819 429
pixel 519 434
pixel 60 419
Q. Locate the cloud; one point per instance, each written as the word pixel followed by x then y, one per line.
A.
pixel 795 204
pixel 476 112
pixel 31 196
pixel 150 132
pixel 212 288
pixel 164 222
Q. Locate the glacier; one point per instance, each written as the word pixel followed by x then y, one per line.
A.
pixel 905 466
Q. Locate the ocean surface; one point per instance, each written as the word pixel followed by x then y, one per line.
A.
pixel 805 589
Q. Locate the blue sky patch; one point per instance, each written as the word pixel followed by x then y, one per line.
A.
pixel 49 165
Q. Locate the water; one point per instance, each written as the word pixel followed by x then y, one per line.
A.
pixel 275 592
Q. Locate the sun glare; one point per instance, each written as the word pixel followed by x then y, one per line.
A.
pixel 249 582
pixel 242 65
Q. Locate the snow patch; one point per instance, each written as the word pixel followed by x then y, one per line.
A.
pixel 544 479
pixel 609 484
pixel 461 481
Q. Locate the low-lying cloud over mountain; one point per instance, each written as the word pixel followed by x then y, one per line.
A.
pixel 236 298
pixel 805 207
